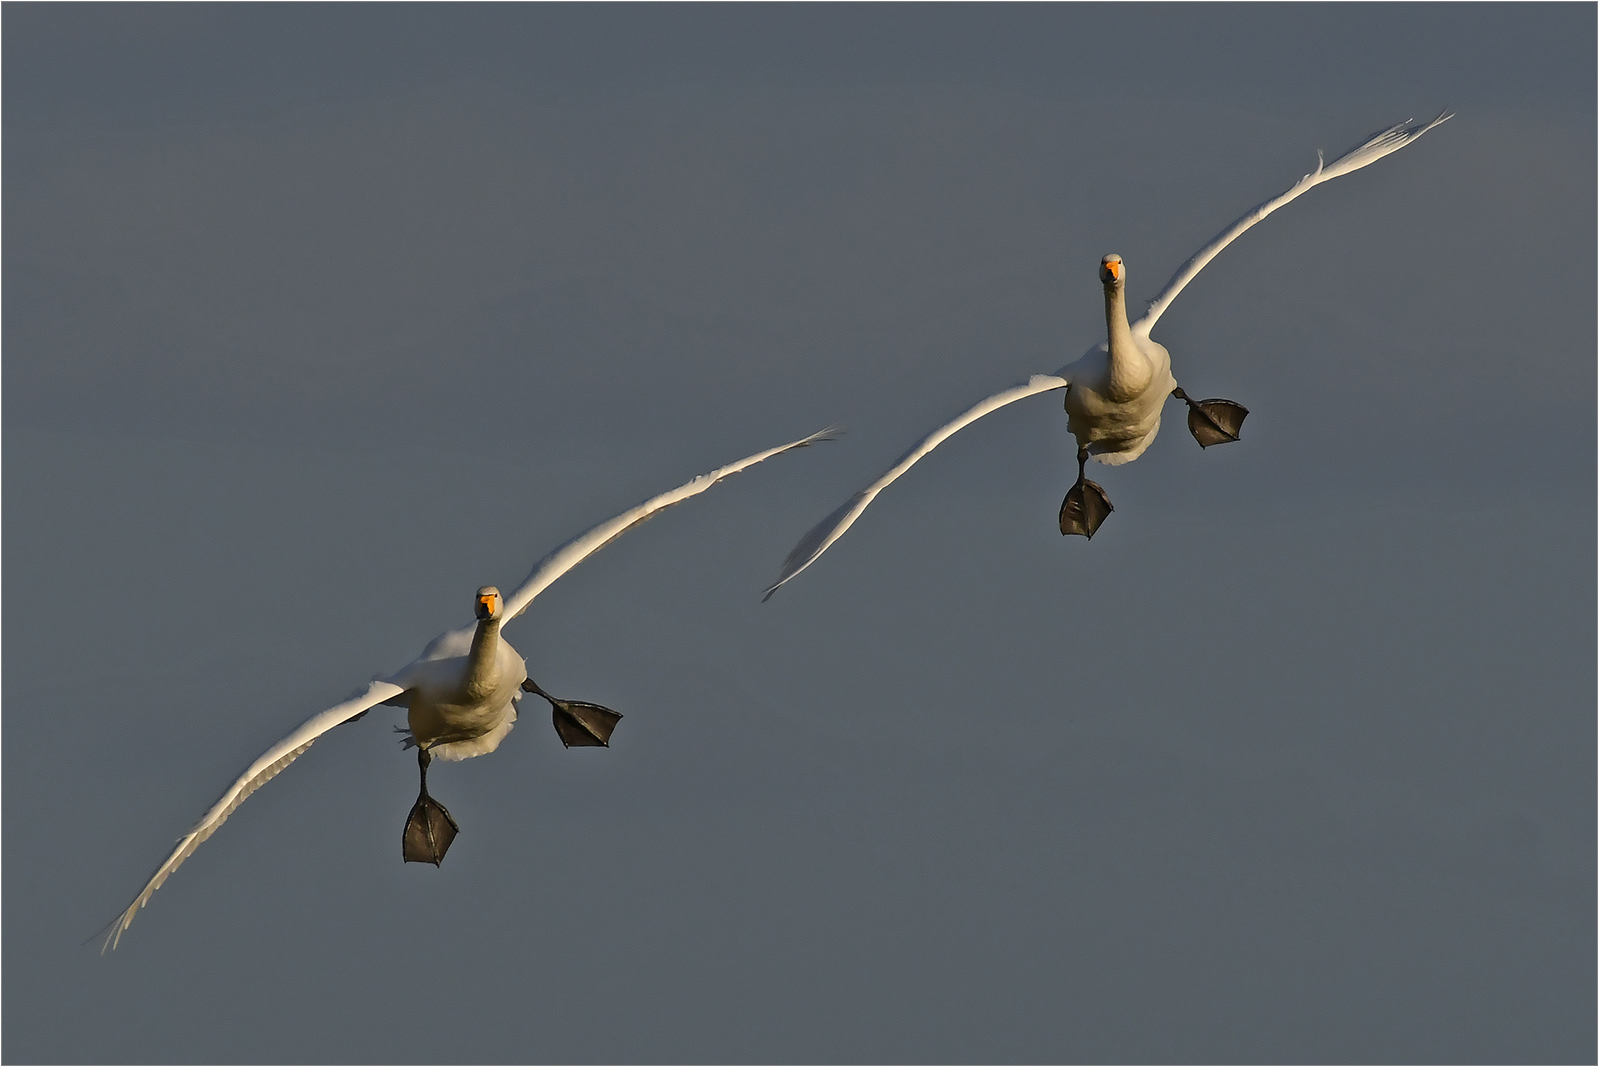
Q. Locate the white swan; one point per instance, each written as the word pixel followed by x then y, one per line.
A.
pixel 1115 392
pixel 461 693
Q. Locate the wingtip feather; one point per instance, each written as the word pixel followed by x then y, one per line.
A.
pixel 827 433
pixel 1382 143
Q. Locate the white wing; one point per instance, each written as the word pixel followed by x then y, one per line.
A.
pixel 287 750
pixel 830 529
pixel 1390 140
pixel 259 773
pixel 586 544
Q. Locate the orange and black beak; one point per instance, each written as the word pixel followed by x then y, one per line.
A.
pixel 1110 272
pixel 486 603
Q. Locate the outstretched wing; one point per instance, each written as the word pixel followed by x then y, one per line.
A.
pixel 586 544
pixel 830 529
pixel 259 773
pixel 1390 140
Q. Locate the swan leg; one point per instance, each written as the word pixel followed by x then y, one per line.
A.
pixel 1086 505
pixel 1212 422
pixel 577 722
pixel 429 829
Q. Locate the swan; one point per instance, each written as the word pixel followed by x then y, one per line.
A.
pixel 460 694
pixel 1116 391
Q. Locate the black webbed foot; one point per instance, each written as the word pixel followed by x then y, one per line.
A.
pixel 1212 422
pixel 429 828
pixel 1085 507
pixel 428 832
pixel 577 722
pixel 584 725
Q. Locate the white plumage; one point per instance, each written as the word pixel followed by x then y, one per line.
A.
pixel 452 712
pixel 1116 391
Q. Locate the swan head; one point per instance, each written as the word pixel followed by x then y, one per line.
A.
pixel 489 603
pixel 1111 272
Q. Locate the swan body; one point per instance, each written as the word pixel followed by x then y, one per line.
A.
pixel 1116 391
pixel 461 694
pixel 1115 419
pixel 1119 387
pixel 462 691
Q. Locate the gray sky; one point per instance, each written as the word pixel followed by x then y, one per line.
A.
pixel 317 318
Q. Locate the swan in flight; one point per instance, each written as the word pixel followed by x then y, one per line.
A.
pixel 1115 392
pixel 460 693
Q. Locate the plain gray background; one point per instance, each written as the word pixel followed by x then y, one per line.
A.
pixel 317 318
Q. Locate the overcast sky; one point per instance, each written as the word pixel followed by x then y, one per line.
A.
pixel 318 318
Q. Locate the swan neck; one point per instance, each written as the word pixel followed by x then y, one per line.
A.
pixel 481 662
pixel 1129 369
pixel 1117 331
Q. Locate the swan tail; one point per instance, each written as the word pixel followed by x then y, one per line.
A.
pixel 481 745
pixel 1120 454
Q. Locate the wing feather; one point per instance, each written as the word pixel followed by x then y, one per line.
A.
pixel 258 774
pixel 287 750
pixel 579 548
pixel 821 536
pixel 1369 151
